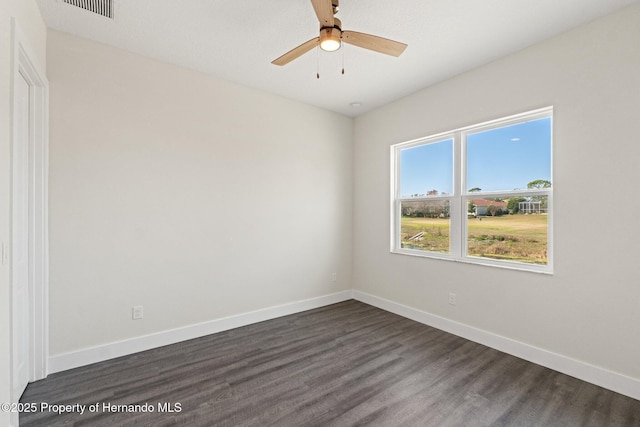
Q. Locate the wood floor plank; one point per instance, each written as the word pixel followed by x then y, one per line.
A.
pixel 348 364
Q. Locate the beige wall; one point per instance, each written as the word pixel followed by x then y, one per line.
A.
pixel 30 22
pixel 588 310
pixel 192 196
pixel 173 190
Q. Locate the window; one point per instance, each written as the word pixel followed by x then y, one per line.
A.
pixel 480 194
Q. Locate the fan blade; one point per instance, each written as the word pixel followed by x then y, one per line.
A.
pixel 375 43
pixel 324 12
pixel 296 52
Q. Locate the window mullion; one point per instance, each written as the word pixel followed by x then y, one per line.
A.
pixel 395 198
pixel 457 233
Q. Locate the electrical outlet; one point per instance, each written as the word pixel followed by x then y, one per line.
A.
pixel 137 312
pixel 452 298
pixel 334 277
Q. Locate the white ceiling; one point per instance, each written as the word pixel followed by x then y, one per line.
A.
pixel 237 40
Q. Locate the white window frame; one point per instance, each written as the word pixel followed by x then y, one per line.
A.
pixel 460 197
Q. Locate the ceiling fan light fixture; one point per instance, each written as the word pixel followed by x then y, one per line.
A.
pixel 332 36
pixel 330 39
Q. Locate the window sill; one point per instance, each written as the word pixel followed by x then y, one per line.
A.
pixel 507 265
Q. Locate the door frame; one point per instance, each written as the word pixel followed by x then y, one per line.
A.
pixel 25 65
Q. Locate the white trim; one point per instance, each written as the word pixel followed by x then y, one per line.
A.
pixel 602 377
pixel 74 359
pixel 25 64
pixel 584 371
pixel 458 218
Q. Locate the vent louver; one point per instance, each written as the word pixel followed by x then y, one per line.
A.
pixel 101 7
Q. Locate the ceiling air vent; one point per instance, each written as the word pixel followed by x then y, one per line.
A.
pixel 101 7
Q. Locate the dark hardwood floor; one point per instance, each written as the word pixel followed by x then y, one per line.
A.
pixel 348 364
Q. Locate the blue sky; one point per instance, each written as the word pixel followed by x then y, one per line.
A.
pixel 427 167
pixel 506 158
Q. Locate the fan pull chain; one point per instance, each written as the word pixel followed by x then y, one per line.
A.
pixel 342 57
pixel 318 62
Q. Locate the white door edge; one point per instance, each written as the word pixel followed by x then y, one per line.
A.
pixel 25 65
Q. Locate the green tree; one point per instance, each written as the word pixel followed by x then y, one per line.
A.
pixel 513 205
pixel 539 183
pixel 492 210
pixel 471 206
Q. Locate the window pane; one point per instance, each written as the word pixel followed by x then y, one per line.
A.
pixel 510 157
pixel 511 230
pixel 425 225
pixel 427 170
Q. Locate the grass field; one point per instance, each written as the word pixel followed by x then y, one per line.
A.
pixel 520 238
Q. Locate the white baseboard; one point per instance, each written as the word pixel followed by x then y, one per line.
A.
pixel 87 356
pixel 599 376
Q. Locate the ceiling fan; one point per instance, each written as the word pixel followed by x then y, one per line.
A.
pixel 332 36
